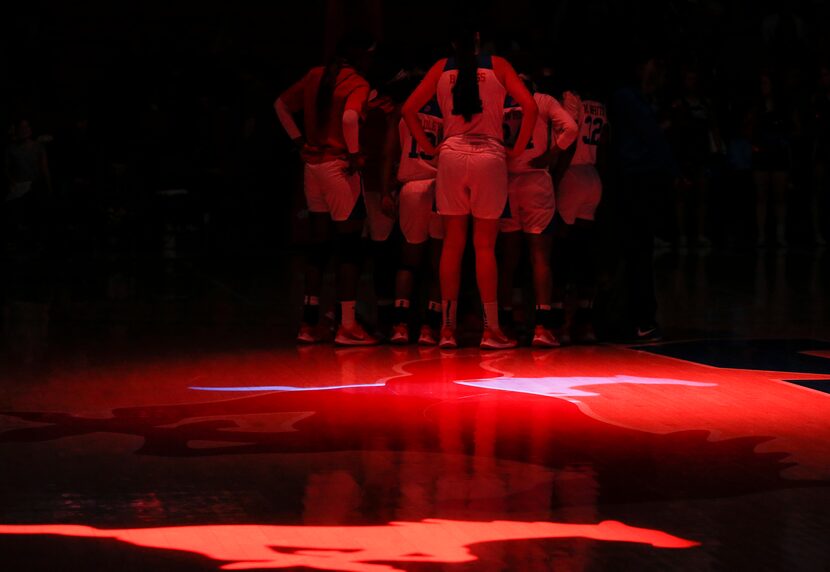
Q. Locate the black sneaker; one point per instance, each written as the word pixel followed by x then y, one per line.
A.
pixel 648 333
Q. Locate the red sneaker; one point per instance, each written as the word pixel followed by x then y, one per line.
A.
pixel 544 338
pixel 427 337
pixel 494 339
pixel 400 334
pixel 309 334
pixel 354 336
pixel 448 341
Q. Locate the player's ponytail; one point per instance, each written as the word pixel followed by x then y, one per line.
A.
pixel 350 50
pixel 325 93
pixel 466 100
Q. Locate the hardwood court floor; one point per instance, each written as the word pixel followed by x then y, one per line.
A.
pixel 708 452
pixel 380 459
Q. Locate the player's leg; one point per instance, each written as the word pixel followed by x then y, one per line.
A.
pixel 415 203
pixel 411 260
pixel 348 210
pixel 509 250
pixel 455 240
pixel 382 248
pixel 317 254
pixel 430 330
pixel 488 199
pixel 539 245
pixel 453 201
pixel 536 210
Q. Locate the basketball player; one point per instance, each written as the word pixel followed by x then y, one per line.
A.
pixel 378 143
pixel 333 99
pixel 531 200
pixel 422 228
pixel 472 168
pixel 578 193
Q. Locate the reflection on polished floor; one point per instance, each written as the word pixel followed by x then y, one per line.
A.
pixel 171 450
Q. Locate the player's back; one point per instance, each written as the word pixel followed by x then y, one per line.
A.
pixel 591 120
pixel 488 123
pixel 415 164
pixel 324 129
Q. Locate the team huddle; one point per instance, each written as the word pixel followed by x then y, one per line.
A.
pixel 474 144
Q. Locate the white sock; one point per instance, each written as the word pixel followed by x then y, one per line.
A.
pixel 491 315
pixel 449 311
pixel 543 306
pixel 402 303
pixel 347 313
pixel 434 306
pixel 311 300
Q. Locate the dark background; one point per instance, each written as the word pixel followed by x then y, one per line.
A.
pixel 134 100
pixel 179 94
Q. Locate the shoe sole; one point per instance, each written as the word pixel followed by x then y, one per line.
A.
pixel 448 345
pixel 430 343
pixel 543 344
pixel 307 340
pixel 399 341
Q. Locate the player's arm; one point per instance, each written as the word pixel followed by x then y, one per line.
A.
pixel 353 112
pixel 419 98
pixel 288 103
pixel 516 89
pixel 563 128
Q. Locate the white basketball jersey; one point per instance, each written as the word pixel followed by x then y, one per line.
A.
pixel 415 164
pixel 491 91
pixel 591 120
pixel 542 138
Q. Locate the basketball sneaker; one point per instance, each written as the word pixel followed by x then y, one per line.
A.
pixel 448 341
pixel 400 334
pixel 309 334
pixel 427 336
pixel 494 339
pixel 544 338
pixel 354 336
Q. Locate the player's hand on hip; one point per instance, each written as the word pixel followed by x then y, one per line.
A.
pixel 354 163
pixel 540 161
pixel 299 143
